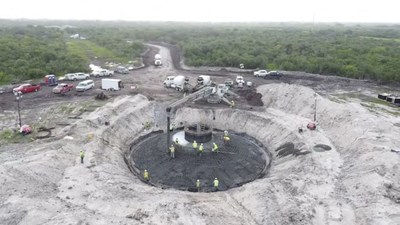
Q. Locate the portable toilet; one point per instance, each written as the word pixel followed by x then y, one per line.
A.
pixel 50 80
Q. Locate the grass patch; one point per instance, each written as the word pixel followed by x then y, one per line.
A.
pixel 11 136
pixel 381 38
pixel 89 50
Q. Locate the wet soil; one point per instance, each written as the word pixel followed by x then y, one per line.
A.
pixel 236 163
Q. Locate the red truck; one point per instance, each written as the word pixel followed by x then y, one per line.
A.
pixel 63 88
pixel 26 88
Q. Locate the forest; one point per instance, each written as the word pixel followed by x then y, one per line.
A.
pixel 30 49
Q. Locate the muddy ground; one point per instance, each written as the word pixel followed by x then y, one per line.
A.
pixel 235 164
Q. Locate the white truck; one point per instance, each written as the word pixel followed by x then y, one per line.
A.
pixel 260 73
pixel 177 82
pixel 203 80
pixel 240 81
pixel 111 84
pixel 157 60
pixel 102 73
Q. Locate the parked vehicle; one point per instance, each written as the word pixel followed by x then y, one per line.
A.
pixel 122 70
pixel 240 81
pixel 85 85
pixel 274 74
pixel 111 84
pixel 204 80
pixel 260 73
pixel 26 88
pixel 63 88
pixel 70 76
pixel 102 73
pixel 82 76
pixel 131 68
pixel 177 82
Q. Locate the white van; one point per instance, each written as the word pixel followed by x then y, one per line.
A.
pixel 85 85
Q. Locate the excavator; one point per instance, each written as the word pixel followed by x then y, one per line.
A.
pixel 213 93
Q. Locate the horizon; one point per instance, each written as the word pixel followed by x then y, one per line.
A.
pixel 223 11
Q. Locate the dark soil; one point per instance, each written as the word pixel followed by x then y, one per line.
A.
pixel 289 149
pixel 252 97
pixel 237 163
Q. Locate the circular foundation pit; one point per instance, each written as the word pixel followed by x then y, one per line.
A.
pixel 240 161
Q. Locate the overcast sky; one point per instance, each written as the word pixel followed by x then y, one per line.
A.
pixel 206 10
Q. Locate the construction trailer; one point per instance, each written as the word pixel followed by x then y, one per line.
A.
pixel 111 84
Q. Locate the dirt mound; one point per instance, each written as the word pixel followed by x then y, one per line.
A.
pixel 252 96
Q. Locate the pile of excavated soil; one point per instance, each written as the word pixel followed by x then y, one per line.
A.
pixel 252 97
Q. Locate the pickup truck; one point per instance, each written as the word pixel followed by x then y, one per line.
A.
pixel 122 70
pixel 102 73
pixel 260 73
pixel 82 76
pixel 63 88
pixel 26 88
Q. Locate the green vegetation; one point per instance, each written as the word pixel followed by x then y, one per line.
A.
pixel 359 51
pixel 331 50
pixel 10 136
pixel 30 52
pixel 88 50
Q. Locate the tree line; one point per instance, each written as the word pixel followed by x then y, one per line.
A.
pixel 364 51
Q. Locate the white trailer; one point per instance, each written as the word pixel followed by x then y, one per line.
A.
pixel 111 84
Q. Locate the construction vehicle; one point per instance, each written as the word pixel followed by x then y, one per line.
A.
pixel 157 60
pixel 179 83
pixel 240 81
pixel 213 93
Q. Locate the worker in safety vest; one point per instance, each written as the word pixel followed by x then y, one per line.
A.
pixel 172 151
pixel 194 145
pixel 216 184
pixel 201 149
pixel 198 184
pixel 146 175
pixel 226 139
pixel 215 147
pixel 232 104
pixel 176 141
pixel 82 155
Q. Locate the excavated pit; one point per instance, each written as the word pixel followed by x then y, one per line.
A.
pixel 241 161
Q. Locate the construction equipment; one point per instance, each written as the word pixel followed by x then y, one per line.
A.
pixel 212 93
pixel 157 60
